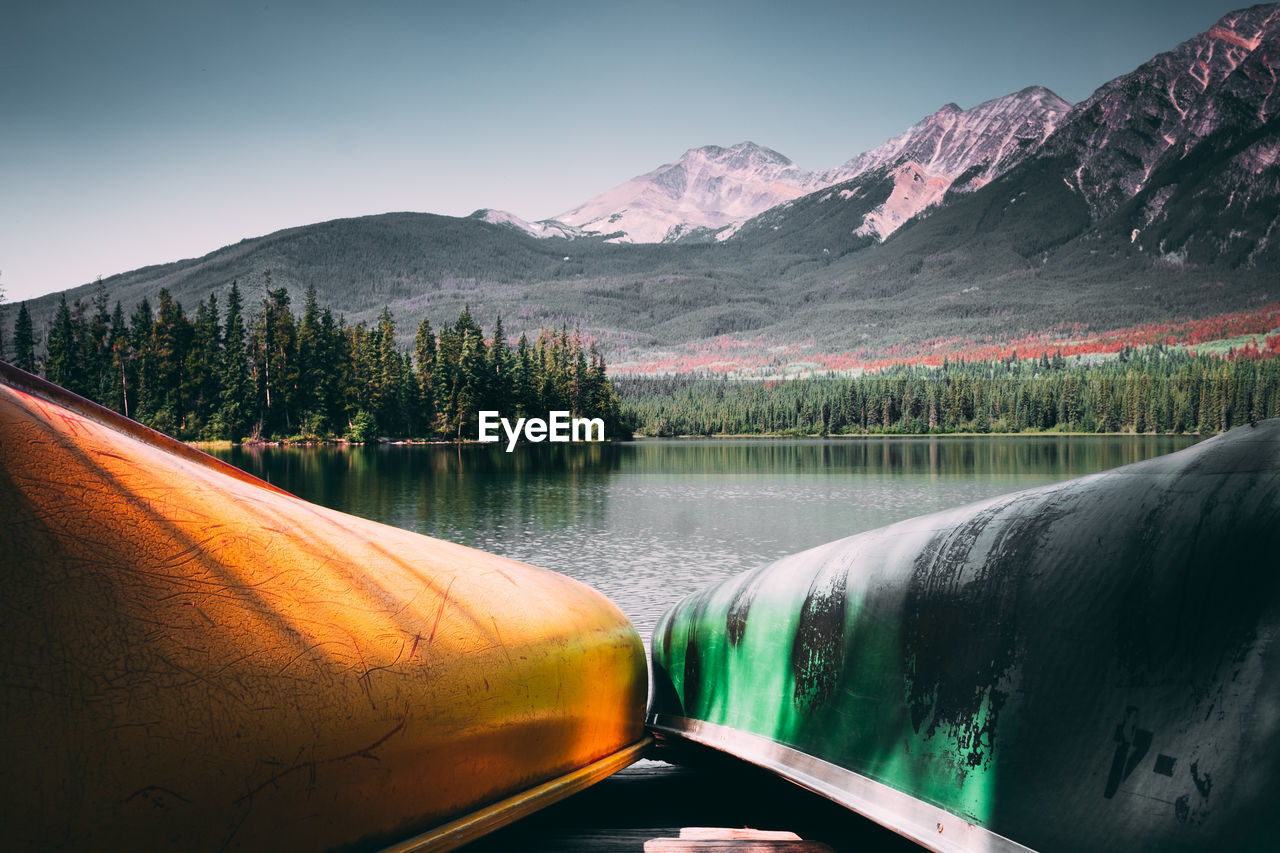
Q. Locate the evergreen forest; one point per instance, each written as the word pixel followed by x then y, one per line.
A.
pixel 232 373
pixel 1155 389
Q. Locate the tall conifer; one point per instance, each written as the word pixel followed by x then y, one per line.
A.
pixel 60 363
pixel 118 350
pixel 24 341
pixel 311 367
pixel 234 415
pixel 424 350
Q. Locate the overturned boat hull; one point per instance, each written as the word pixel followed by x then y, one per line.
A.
pixel 1088 665
pixel 196 660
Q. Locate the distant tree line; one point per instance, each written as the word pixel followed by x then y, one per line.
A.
pixel 231 374
pixel 1154 390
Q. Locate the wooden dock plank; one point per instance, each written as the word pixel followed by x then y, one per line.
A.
pixel 732 845
pixel 729 839
pixel 729 833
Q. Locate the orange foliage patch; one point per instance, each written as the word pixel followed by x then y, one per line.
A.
pixel 725 354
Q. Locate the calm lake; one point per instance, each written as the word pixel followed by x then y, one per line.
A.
pixel 649 522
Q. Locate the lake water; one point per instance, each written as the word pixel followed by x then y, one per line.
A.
pixel 648 522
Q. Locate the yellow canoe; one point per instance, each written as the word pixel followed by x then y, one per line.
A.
pixel 193 659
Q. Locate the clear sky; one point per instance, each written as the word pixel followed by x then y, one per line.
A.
pixel 136 132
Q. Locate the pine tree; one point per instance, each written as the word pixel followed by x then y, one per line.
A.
pixel 311 366
pixel 361 356
pixel 408 397
pixel 526 381
pixel 203 361
pixel 334 367
pixel 171 336
pixel 466 324
pixel 234 414
pixel 500 368
pixel 119 354
pixel 444 382
pixel 604 402
pixel 424 351
pixel 274 347
pixel 95 350
pixel 24 342
pixel 1258 398
pixel 388 377
pixel 472 385
pixel 140 324
pixel 60 362
pixel 579 395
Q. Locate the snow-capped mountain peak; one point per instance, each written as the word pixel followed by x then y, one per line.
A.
pixel 708 187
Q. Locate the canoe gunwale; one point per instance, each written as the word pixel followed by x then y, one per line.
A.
pixel 924 823
pixel 469 827
pixel 30 384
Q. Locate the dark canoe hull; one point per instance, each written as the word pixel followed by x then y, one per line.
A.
pixel 1088 665
pixel 195 660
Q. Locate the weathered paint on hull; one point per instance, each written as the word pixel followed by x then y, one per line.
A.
pixel 1091 665
pixel 196 660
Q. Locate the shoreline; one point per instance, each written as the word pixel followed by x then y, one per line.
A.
pixel 911 435
pixel 640 438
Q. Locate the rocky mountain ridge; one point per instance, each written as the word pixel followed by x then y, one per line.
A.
pixel 709 192
pixel 1121 135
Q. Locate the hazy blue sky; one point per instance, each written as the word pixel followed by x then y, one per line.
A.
pixel 134 133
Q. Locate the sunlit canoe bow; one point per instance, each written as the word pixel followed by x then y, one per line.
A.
pixel 1091 665
pixel 196 660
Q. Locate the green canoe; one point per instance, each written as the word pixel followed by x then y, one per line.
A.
pixel 1091 665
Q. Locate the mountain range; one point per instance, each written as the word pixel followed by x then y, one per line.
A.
pixel 711 191
pixel 1157 197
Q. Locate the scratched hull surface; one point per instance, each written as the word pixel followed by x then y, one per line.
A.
pixel 195 660
pixel 1088 665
